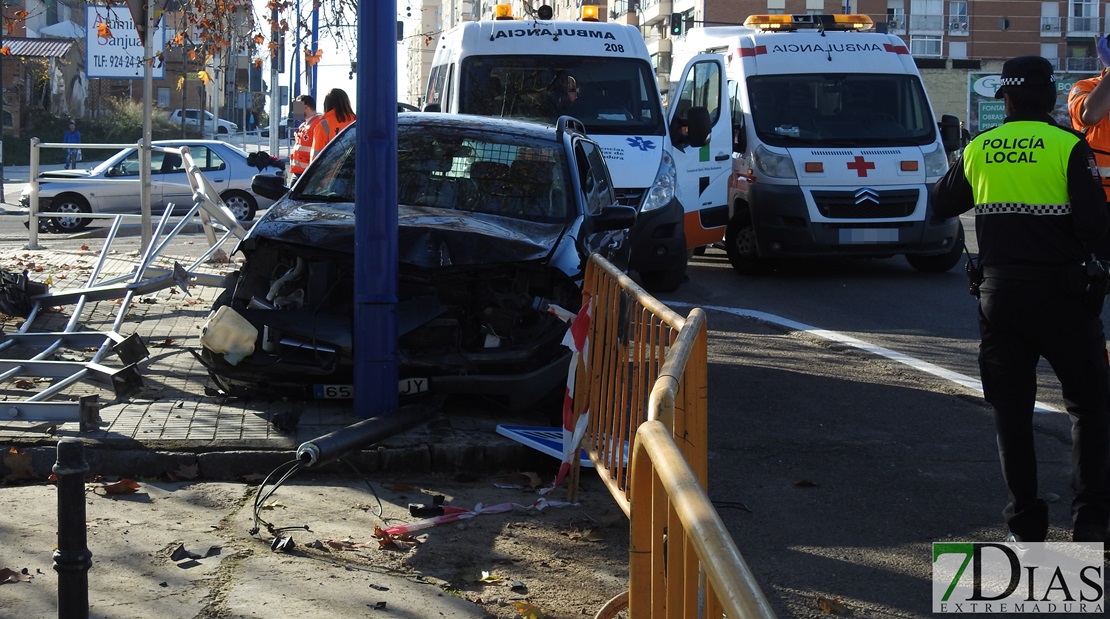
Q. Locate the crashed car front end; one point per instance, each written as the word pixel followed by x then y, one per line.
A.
pixel 473 315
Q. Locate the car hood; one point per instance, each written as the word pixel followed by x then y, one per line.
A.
pixel 64 174
pixel 427 237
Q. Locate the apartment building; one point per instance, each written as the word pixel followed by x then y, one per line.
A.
pixel 956 43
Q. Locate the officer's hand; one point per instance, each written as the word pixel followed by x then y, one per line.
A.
pixel 1103 47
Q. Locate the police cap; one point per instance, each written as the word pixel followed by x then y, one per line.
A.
pixel 1026 72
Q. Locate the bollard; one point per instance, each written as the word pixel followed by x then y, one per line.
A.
pixel 72 559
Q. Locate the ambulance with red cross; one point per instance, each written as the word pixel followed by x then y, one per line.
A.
pixel 823 142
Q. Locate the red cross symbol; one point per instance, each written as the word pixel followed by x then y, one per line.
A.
pixel 860 166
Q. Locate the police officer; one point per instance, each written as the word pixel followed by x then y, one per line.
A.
pixel 1038 204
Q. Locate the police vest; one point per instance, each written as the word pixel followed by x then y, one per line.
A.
pixel 1020 167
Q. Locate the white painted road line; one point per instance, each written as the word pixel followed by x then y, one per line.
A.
pixel 962 380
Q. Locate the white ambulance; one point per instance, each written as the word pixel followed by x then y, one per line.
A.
pixel 824 142
pixel 601 74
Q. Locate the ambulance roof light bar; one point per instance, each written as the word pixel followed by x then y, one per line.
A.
pixel 503 11
pixel 589 13
pixel 790 23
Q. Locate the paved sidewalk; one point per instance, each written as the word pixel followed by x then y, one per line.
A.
pixel 177 417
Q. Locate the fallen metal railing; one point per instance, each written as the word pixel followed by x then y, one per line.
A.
pixel 145 279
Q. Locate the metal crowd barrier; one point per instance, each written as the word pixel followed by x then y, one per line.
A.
pixel 646 387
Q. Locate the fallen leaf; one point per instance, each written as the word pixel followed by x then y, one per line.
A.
pixel 831 607
pixel 529 610
pixel 23 383
pixel 8 575
pixel 488 578
pixel 180 553
pixel 166 343
pixel 123 486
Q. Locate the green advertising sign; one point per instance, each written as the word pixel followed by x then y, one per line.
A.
pixel 984 111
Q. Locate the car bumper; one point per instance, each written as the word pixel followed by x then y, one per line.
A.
pixel 785 230
pixel 658 239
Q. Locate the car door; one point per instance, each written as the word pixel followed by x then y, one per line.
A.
pixel 703 172
pixel 123 195
pixel 597 191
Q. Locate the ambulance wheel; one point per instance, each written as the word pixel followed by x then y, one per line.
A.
pixel 741 247
pixel 939 263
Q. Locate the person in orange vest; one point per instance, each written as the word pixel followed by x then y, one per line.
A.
pixel 302 144
pixel 337 115
pixel 1088 107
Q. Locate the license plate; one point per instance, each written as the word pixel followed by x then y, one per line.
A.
pixel 412 386
pixel 333 392
pixel 850 236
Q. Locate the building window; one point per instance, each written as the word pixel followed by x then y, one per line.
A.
pixel 925 46
pixel 896 19
pixel 163 97
pixel 957 49
pixel 957 17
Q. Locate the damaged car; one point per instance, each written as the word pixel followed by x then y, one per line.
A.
pixel 496 220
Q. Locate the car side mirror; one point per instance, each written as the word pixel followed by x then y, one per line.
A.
pixel 615 217
pixel 270 186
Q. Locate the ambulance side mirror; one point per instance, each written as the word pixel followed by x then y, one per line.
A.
pixel 739 134
pixel 693 130
pixel 950 134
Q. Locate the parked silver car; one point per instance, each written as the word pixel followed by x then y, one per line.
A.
pixel 111 186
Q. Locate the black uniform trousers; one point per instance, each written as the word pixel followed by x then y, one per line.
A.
pixel 1019 322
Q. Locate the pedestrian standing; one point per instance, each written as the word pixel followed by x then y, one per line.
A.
pixel 72 136
pixel 1038 205
pixel 250 121
pixel 337 115
pixel 1088 108
pixel 302 138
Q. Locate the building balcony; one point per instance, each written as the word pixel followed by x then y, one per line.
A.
pixel 659 46
pixel 896 25
pixel 654 11
pixel 927 24
pixel 1083 27
pixel 1082 64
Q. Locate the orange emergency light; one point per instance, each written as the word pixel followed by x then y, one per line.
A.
pixel 589 12
pixel 502 11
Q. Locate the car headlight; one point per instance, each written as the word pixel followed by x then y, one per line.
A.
pixel 774 164
pixel 936 162
pixel 661 191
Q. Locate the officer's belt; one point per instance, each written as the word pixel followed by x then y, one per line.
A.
pixel 1030 273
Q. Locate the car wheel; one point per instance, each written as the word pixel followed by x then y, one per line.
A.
pixel 241 203
pixel 665 280
pixel 939 263
pixel 221 130
pixel 740 246
pixel 70 203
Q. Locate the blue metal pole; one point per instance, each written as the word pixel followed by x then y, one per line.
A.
pixel 375 318
pixel 314 69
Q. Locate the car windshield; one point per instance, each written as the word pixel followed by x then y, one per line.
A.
pixel 612 96
pixel 841 110
pixel 458 168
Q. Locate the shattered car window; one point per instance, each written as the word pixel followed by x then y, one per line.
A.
pixel 496 173
pixel 482 172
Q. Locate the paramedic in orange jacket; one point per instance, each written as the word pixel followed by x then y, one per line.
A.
pixel 1089 107
pixel 337 115
pixel 302 144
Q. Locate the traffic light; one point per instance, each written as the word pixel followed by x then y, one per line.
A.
pixel 676 24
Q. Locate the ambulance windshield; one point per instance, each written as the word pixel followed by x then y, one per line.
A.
pixel 612 96
pixel 841 110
